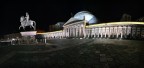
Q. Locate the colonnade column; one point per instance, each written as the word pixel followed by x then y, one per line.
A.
pixel 109 32
pixel 94 32
pixel 117 32
pixel 68 32
pixel 121 32
pixel 101 32
pixel 98 32
pixel 105 32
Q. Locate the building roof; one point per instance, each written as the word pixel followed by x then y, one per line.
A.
pixel 71 20
pixel 116 23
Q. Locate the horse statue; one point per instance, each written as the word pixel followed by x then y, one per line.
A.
pixel 26 22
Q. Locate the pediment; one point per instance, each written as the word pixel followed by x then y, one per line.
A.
pixel 71 20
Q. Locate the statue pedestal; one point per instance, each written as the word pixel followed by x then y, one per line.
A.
pixel 28 37
pixel 28 33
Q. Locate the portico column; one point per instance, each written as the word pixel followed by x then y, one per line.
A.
pixel 84 33
pixel 68 32
pixel 80 32
pixel 65 30
pixel 71 30
pixel 76 31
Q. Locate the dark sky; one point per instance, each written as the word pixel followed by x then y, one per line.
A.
pixel 46 13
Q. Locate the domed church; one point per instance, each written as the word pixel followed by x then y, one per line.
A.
pixel 76 27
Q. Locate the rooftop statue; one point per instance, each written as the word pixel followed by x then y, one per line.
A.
pixel 25 21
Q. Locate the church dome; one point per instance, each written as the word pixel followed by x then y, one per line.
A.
pixel 90 18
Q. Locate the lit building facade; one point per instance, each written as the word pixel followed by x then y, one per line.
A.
pixel 76 27
pixel 123 30
pixel 84 25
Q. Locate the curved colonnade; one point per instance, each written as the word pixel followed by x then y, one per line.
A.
pixel 131 30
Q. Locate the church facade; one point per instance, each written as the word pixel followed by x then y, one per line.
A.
pixel 77 27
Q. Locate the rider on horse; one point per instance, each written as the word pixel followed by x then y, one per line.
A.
pixel 26 22
pixel 27 17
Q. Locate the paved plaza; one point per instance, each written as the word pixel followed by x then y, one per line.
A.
pixel 72 53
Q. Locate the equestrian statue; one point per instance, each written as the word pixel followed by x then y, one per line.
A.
pixel 26 22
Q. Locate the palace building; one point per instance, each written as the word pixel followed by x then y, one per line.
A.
pixel 84 25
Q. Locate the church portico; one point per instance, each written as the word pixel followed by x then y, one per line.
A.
pixel 75 30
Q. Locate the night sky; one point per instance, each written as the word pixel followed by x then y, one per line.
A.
pixel 47 13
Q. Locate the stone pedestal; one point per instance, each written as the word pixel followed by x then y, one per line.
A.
pixel 28 37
